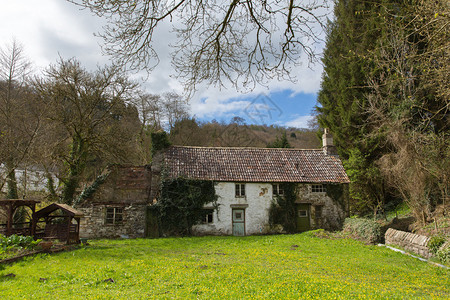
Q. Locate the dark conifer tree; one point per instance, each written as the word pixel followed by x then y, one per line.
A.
pixel 342 98
pixel 280 142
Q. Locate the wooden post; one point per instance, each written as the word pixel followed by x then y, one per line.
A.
pixel 78 230
pixel 33 223
pixel 69 221
pixel 9 221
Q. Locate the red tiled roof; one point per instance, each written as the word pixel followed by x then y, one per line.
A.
pixel 254 165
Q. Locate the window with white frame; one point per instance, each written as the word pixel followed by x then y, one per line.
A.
pixel 240 190
pixel 277 189
pixel 114 216
pixel 302 213
pixel 208 216
pixel 318 188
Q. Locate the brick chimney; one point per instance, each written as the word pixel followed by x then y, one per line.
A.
pixel 327 143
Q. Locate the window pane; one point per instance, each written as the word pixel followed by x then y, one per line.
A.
pixel 318 188
pixel 240 190
pixel 302 213
pixel 209 218
pixel 118 219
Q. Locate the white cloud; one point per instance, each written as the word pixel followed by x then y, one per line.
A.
pixel 49 28
pixel 216 108
pixel 299 122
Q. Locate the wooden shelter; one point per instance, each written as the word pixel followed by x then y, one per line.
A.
pixel 58 221
pixel 10 206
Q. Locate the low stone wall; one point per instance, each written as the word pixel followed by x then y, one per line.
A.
pixel 409 241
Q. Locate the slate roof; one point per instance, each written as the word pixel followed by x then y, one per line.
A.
pixel 254 165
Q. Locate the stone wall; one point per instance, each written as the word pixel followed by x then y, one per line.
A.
pixel 333 214
pixel 126 188
pixel 408 241
pixel 93 223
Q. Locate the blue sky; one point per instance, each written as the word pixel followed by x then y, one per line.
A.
pixel 284 108
pixel 49 29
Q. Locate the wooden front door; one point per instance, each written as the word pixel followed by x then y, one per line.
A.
pixel 303 217
pixel 152 229
pixel 238 221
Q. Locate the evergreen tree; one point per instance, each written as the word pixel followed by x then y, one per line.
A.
pixel 384 98
pixel 280 142
pixel 342 101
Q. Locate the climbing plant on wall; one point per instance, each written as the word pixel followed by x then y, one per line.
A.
pixel 90 190
pixel 180 204
pixel 282 211
pixel 337 192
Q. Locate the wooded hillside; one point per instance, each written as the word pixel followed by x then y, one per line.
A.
pixel 385 95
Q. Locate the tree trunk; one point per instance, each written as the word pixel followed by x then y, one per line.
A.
pixel 70 186
pixel 11 182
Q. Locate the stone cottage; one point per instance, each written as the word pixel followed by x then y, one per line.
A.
pixel 248 179
pixel 246 182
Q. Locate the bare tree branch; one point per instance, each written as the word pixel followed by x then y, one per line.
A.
pixel 241 42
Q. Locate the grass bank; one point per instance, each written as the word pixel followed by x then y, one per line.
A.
pixel 258 267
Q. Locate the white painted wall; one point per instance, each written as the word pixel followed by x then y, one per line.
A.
pixel 258 200
pixel 258 197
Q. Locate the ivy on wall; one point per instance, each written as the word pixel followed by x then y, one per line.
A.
pixel 180 204
pixel 283 210
pixel 337 193
pixel 90 190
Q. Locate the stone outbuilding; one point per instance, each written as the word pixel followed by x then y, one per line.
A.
pixel 118 206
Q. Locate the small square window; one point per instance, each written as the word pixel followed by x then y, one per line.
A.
pixel 240 190
pixel 114 215
pixel 208 217
pixel 277 190
pixel 318 188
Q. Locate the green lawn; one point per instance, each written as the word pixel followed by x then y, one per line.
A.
pixel 258 267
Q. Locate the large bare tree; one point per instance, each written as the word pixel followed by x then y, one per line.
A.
pixel 88 120
pixel 242 42
pixel 19 118
pixel 158 112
